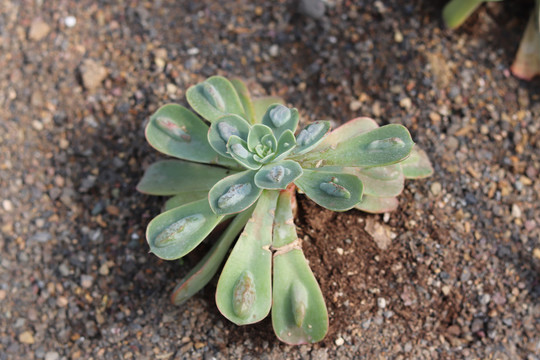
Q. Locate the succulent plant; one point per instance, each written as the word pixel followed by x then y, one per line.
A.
pixel 526 64
pixel 243 170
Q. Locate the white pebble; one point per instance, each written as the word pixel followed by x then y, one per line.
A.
pixel 274 50
pixel 381 302
pixel 340 341
pixel 193 51
pixel 70 21
pixel 7 205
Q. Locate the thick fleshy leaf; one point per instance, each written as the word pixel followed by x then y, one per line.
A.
pixel 261 104
pixel 185 198
pixel 176 232
pixel 277 175
pixel 257 133
pixel 176 131
pixel 234 193
pixel 381 181
pixel 457 11
pixel 299 313
pixel 377 205
pixel 245 99
pixel 171 177
pixel 244 292
pixel 203 272
pixel 417 165
pixel 215 98
pixel 286 144
pixel 238 149
pixel 334 191
pixel 527 62
pixel 280 118
pixel 222 129
pixel 311 136
pixel 346 131
pixel 379 147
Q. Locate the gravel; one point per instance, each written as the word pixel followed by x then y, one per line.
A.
pixel 461 278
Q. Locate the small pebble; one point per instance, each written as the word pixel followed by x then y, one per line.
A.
pixel 70 21
pixel 274 50
pixel 516 211
pixel 52 355
pixel 86 281
pixel 381 302
pixel 436 188
pixel 339 251
pixel 339 341
pixel 355 105
pixel 7 205
pixel 38 30
pixel 26 337
pixel 398 36
pixel 405 103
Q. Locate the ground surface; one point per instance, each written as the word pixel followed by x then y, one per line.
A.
pixel 460 279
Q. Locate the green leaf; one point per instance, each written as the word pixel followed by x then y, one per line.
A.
pixel 215 98
pixel 174 130
pixel 257 133
pixel 379 147
pixel 299 314
pixel 377 205
pixel 244 293
pixel 277 175
pixel 311 136
pixel 176 232
pixel 280 118
pixel 382 181
pixel 245 99
pixel 222 129
pixel 238 149
pixel 185 198
pixel 286 144
pixel 417 165
pixel 334 191
pixel 346 131
pixel 203 272
pixel 170 177
pixel 234 194
pixel 261 104
pixel 457 11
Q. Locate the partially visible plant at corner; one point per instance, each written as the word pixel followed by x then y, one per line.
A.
pixel 245 167
pixel 527 61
